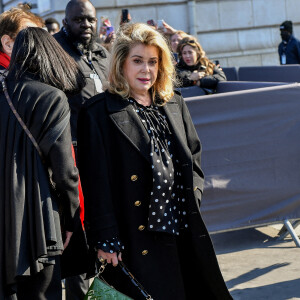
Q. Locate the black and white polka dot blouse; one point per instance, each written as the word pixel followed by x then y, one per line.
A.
pixel 167 203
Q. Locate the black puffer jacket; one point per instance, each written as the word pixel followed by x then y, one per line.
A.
pixel 100 59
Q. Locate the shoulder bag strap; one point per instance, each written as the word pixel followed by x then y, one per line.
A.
pixel 20 119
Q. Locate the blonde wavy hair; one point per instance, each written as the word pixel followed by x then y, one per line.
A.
pixel 201 57
pixel 128 36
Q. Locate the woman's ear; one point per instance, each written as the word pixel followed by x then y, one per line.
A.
pixel 7 44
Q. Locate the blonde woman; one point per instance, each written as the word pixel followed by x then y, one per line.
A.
pixel 139 160
pixel 194 68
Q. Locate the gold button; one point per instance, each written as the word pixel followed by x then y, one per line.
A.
pixel 195 188
pixel 141 227
pixel 137 203
pixel 134 177
pixel 145 252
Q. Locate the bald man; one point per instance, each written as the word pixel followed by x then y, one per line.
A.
pixel 77 37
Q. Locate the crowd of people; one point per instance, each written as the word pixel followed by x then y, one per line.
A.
pixel 101 162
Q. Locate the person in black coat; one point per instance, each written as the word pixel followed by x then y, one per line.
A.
pixel 78 38
pixel 194 68
pixel 140 164
pixel 289 48
pixel 32 237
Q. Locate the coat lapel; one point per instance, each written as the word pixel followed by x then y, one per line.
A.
pixel 129 124
pixel 174 117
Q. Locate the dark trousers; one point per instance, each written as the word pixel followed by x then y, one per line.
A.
pixel 76 287
pixel 45 285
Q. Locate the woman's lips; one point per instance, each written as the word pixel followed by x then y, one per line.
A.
pixel 144 80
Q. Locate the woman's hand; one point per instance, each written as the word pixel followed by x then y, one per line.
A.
pixel 68 237
pixel 196 75
pixel 111 258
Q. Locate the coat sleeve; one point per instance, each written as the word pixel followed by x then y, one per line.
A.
pixel 194 145
pixel 100 222
pixel 65 177
pixel 211 81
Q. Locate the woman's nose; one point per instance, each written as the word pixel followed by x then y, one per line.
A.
pixel 146 67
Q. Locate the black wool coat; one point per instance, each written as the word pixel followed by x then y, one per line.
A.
pixel 30 226
pixel 116 174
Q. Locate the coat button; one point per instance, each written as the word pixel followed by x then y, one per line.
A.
pixel 145 252
pixel 137 203
pixel 141 227
pixel 134 177
pixel 195 188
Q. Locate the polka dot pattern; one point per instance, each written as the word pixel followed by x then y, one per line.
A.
pixel 167 211
pixel 110 246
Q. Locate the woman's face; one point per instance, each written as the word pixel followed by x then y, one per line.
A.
pixel 175 39
pixel 140 68
pixel 189 55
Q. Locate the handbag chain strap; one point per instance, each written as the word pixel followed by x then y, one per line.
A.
pixel 129 275
pixel 134 281
pixel 19 118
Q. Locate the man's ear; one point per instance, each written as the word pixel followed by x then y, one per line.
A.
pixel 7 44
pixel 64 21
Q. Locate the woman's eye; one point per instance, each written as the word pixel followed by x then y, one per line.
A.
pixel 152 62
pixel 137 61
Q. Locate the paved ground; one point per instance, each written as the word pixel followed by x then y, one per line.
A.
pixel 258 266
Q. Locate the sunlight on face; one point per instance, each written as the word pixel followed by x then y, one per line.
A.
pixel 140 68
pixel 189 55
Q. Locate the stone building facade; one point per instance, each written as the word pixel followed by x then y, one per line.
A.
pixel 236 32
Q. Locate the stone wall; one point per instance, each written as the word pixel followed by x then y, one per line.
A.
pixel 236 32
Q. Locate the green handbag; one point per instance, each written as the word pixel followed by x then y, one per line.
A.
pixel 101 290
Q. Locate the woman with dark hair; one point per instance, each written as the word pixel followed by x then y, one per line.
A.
pixel 194 68
pixel 139 158
pixel 31 239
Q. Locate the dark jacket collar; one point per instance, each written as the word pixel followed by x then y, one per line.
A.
pixel 95 47
pixel 130 125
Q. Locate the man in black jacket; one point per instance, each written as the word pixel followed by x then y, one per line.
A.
pixel 289 48
pixel 77 37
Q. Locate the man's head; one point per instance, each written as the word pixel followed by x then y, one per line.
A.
pixel 286 30
pixel 52 25
pixel 11 22
pixel 80 21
